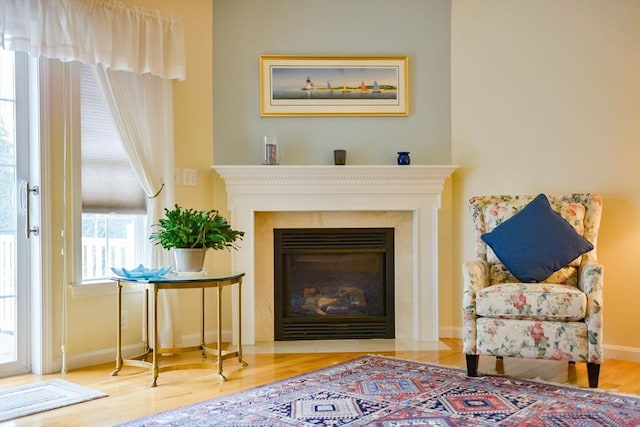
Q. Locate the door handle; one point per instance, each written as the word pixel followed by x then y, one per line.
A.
pixel 36 191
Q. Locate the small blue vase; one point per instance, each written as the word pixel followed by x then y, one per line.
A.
pixel 403 158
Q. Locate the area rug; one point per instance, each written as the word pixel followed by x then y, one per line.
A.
pixel 39 397
pixel 381 391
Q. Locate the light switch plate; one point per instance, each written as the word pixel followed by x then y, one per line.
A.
pixel 189 177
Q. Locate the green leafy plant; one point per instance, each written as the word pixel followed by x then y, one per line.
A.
pixel 189 228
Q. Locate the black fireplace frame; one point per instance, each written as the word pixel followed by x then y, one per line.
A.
pixel 335 241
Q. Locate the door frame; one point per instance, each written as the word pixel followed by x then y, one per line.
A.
pixel 48 99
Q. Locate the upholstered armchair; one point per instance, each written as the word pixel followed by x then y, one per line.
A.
pixel 548 303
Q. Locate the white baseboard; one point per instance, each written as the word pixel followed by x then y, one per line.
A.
pixel 76 361
pixel 450 331
pixel 98 357
pixel 209 337
pixel 620 352
pixel 92 358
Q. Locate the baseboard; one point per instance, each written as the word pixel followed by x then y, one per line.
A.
pixel 620 352
pixel 450 331
pixel 209 337
pixel 76 361
pixel 92 358
pixel 98 357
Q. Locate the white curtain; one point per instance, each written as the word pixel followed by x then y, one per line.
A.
pixel 142 108
pixel 136 53
pixel 117 35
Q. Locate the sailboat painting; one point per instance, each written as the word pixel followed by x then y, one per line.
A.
pixel 333 86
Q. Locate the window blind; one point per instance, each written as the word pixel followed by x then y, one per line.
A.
pixel 109 184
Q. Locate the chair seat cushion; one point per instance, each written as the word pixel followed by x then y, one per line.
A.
pixel 537 301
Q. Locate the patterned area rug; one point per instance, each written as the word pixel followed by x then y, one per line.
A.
pixel 39 397
pixel 380 391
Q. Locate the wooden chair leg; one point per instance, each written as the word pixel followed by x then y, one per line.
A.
pixel 472 364
pixel 593 372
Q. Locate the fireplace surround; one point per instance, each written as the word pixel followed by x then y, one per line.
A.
pixel 319 188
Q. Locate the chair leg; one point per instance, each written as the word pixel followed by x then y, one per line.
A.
pixel 472 364
pixel 593 372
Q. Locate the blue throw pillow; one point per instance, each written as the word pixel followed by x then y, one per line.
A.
pixel 536 242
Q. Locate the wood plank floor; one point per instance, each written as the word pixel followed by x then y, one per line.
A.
pixel 130 396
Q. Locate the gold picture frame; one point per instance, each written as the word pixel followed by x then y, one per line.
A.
pixel 333 86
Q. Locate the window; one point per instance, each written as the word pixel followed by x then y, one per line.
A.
pixel 110 240
pixel 14 251
pixel 8 228
pixel 113 203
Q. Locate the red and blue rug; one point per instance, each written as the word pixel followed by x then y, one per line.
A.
pixel 381 391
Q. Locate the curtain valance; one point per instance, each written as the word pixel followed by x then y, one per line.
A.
pixel 117 35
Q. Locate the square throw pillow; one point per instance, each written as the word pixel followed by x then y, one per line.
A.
pixel 495 214
pixel 536 242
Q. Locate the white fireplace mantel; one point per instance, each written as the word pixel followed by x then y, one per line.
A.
pixel 312 188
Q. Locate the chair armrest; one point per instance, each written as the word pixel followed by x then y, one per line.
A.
pixel 590 281
pixel 475 275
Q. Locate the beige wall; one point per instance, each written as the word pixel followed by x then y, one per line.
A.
pixel 546 98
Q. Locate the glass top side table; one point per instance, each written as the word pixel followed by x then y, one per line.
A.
pixel 217 280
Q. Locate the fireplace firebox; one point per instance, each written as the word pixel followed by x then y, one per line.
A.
pixel 333 283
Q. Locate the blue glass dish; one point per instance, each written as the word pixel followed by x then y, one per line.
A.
pixel 141 272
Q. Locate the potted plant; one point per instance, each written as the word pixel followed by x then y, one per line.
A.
pixel 193 232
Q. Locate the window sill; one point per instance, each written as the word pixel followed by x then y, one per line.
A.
pixel 98 288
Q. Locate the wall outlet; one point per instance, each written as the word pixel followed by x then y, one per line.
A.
pixel 189 177
pixel 124 319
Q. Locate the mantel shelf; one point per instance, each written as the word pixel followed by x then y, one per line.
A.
pixel 320 172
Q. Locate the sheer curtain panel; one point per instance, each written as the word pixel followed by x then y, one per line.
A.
pixel 142 109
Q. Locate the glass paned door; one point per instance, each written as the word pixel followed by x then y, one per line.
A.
pixel 13 245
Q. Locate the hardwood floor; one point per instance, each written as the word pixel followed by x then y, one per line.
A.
pixel 130 396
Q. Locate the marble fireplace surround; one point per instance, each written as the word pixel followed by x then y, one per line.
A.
pixel 318 188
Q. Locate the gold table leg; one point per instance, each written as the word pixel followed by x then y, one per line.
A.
pixel 239 347
pixel 145 330
pixel 156 346
pixel 219 360
pixel 118 330
pixel 202 342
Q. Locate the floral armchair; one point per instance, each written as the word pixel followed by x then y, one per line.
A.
pixel 558 317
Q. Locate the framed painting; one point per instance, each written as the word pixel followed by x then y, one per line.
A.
pixel 333 86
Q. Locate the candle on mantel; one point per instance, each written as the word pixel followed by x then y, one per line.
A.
pixel 270 150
